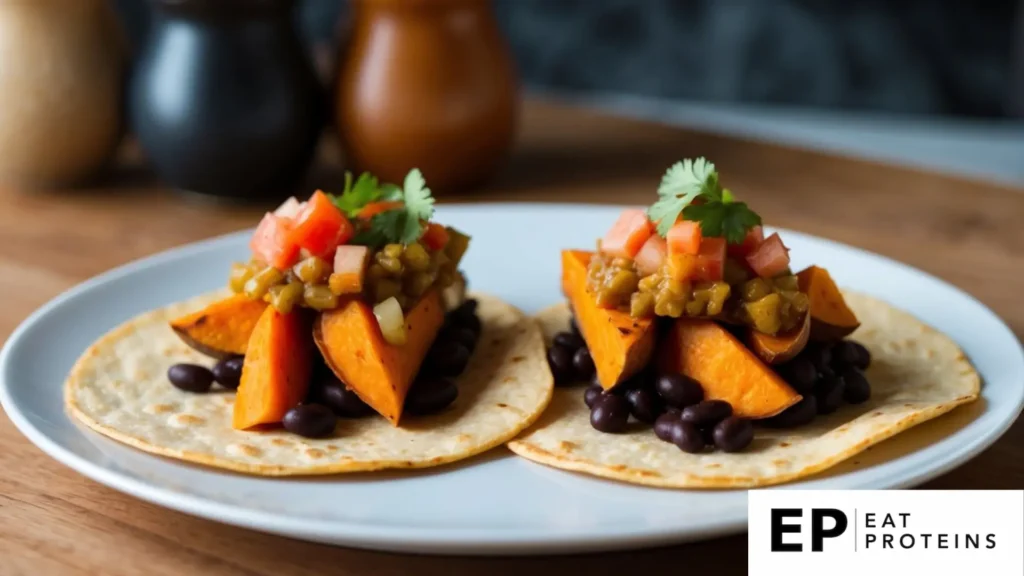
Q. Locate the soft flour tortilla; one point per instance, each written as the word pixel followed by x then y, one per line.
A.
pixel 119 388
pixel 916 374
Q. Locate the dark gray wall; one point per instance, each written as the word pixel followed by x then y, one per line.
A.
pixel 948 57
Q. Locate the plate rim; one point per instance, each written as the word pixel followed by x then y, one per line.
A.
pixel 444 540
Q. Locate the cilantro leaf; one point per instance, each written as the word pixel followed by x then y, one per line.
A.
pixel 418 202
pixel 403 225
pixel 355 197
pixel 731 220
pixel 683 183
pixel 390 192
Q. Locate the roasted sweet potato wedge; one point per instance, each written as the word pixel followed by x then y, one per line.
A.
pixel 831 318
pixel 277 368
pixel 620 345
pixel 222 329
pixel 708 353
pixel 380 373
pixel 780 347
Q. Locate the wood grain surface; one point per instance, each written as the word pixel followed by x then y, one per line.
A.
pixel 53 521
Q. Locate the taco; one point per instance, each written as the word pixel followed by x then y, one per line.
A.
pixel 712 365
pixel 347 343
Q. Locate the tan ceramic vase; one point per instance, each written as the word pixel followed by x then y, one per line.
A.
pixel 61 69
pixel 426 84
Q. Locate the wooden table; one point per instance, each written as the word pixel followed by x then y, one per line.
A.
pixel 53 521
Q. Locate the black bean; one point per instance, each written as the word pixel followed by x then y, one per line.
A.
pixel 430 395
pixel 560 362
pixel 799 414
pixel 857 389
pixel 190 377
pixel 830 394
pixel 663 425
pixel 462 335
pixel 592 394
pixel 687 437
pixel 471 323
pixel 228 372
pixel 447 358
pixel 678 390
pixel 464 312
pixel 583 364
pixel 610 414
pixel 644 404
pixel 801 374
pixel 706 413
pixel 820 356
pixel 569 340
pixel 844 354
pixel 342 400
pixel 733 434
pixel 574 327
pixel 863 356
pixel 709 435
pixel 310 420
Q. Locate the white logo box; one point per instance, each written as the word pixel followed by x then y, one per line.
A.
pixel 906 532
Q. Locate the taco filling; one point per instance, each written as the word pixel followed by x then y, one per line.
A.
pixel 355 282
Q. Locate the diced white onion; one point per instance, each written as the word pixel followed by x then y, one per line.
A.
pixel 391 320
pixel 289 208
pixel 350 259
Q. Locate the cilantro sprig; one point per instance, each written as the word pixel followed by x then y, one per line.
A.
pixel 691 188
pixel 402 224
pixel 356 196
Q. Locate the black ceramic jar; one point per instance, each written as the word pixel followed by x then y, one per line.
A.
pixel 224 99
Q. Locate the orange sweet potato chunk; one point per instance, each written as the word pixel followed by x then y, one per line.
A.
pixel 380 373
pixel 782 347
pixel 277 369
pixel 221 329
pixel 620 344
pixel 831 318
pixel 708 353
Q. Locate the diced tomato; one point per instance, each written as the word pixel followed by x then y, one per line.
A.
pixel 628 234
pixel 320 227
pixel 272 242
pixel 710 260
pixel 435 236
pixel 684 238
pixel 374 208
pixel 771 258
pixel 289 208
pixel 651 255
pixel 349 269
pixel 753 239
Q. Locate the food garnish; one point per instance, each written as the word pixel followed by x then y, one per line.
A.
pixel 402 223
pixel 697 252
pixel 374 241
pixel 365 190
pixel 718 211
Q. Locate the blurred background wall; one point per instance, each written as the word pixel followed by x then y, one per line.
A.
pixel 962 58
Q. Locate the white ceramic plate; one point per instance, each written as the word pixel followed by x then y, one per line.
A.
pixel 496 503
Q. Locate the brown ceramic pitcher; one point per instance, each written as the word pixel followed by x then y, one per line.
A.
pixel 426 84
pixel 61 82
